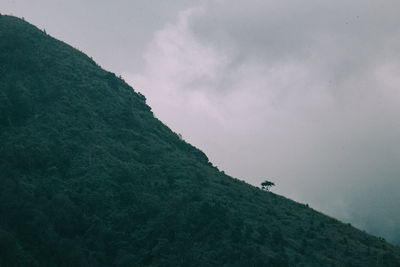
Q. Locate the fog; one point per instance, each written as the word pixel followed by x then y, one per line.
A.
pixel 305 94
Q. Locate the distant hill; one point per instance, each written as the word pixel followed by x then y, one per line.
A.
pixel 89 177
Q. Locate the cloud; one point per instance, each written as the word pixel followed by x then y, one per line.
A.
pixel 303 93
pixel 112 32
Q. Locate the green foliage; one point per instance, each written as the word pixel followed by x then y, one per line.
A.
pixel 89 177
pixel 266 185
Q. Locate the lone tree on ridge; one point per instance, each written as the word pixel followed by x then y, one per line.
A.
pixel 266 185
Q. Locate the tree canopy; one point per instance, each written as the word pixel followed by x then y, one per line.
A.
pixel 89 177
pixel 266 185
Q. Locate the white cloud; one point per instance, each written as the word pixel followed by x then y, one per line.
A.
pixel 305 94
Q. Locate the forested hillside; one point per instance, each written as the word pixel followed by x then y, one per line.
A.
pixel 89 177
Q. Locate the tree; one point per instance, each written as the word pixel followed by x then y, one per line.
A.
pixel 266 185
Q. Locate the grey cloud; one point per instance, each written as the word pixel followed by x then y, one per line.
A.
pixel 303 92
pixel 114 33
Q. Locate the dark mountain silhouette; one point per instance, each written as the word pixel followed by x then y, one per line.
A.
pixel 89 177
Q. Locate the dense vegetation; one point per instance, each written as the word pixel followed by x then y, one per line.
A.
pixel 89 177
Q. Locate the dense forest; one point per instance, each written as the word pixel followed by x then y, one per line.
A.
pixel 89 177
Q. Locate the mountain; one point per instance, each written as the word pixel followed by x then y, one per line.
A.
pixel 89 177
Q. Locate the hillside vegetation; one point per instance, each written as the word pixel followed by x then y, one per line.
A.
pixel 89 177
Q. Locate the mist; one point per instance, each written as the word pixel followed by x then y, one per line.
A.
pixel 306 95
pixel 303 94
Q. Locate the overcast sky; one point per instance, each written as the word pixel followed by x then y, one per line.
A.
pixel 303 93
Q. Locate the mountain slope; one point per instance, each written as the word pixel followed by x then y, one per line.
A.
pixel 89 177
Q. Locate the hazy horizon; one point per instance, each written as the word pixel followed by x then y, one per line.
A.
pixel 306 95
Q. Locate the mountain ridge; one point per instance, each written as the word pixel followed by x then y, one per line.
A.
pixel 89 177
